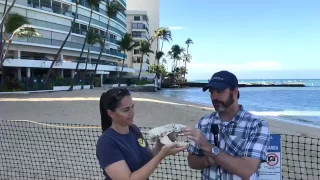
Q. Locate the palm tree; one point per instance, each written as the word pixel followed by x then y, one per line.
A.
pixel 113 7
pixel 93 38
pixel 188 42
pixel 126 44
pixel 62 45
pixel 186 59
pixel 159 55
pixel 92 4
pixel 145 48
pixel 18 26
pixel 165 35
pixel 175 54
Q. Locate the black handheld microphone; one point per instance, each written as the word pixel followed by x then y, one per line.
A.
pixel 215 132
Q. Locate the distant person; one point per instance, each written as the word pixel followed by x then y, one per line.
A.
pixel 242 139
pixel 121 150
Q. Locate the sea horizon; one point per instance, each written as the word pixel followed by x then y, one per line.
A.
pixel 300 105
pixel 307 82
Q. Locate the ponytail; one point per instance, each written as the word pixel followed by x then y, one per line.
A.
pixel 106 120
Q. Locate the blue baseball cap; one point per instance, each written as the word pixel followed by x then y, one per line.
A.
pixel 222 80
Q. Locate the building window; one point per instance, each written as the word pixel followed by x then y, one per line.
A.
pixel 138 26
pixel 136 51
pixel 102 33
pixel 136 18
pixel 138 59
pixel 82 29
pixel 112 36
pixel 136 34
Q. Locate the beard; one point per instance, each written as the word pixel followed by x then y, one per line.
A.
pixel 220 106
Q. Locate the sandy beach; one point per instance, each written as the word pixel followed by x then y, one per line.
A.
pixel 152 109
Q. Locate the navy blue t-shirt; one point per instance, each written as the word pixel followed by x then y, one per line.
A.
pixel 113 147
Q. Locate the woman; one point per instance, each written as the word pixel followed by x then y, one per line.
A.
pixel 122 152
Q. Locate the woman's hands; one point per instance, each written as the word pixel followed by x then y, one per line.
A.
pixel 171 149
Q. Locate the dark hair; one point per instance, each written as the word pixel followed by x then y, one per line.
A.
pixel 110 101
pixel 233 88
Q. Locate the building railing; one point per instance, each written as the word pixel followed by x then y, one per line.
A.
pixel 32 150
pixel 124 3
pixel 65 11
pixel 83 32
pixel 97 9
pixel 54 42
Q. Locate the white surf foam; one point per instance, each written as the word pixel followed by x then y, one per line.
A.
pixel 281 116
pixel 286 113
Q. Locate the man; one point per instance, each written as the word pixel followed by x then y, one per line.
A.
pixel 243 139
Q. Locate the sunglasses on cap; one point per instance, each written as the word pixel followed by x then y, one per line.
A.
pixel 121 93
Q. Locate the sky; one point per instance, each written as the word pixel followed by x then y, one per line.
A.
pixel 252 38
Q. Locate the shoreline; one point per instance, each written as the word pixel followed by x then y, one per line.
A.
pixel 152 109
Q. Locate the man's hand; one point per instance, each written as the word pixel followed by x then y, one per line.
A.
pixel 199 162
pixel 199 139
pixel 209 161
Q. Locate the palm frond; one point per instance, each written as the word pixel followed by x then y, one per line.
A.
pixel 164 34
pixel 164 61
pixel 93 3
pixel 145 47
pixel 127 43
pixel 189 41
pixel 26 31
pixel 15 21
pixel 159 54
pixel 93 38
pixel 113 8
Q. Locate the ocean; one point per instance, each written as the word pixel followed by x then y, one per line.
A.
pixel 291 104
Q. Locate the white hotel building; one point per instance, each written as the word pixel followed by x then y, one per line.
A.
pixel 138 27
pixel 52 18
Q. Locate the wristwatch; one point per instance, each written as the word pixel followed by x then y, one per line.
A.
pixel 215 150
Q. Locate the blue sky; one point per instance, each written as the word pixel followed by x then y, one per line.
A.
pixel 252 38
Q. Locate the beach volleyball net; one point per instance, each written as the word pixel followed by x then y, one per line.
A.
pixel 32 150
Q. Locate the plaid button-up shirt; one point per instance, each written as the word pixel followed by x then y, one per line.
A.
pixel 244 136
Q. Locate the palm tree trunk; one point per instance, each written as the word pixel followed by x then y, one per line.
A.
pixel 155 56
pixel 84 43
pixel 6 13
pixel 1 33
pixel 122 68
pixel 102 47
pixel 162 45
pixel 5 52
pixel 61 47
pixel 185 64
pixel 85 69
pixel 140 65
pixel 2 43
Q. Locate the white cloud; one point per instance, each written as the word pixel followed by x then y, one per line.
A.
pixel 175 27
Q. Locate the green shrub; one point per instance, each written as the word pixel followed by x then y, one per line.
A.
pixel 11 85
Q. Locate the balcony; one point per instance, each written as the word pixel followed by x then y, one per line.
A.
pixel 123 3
pixel 99 23
pixel 45 63
pixel 97 9
pixel 139 37
pixel 68 44
pixel 84 32
pixel 65 9
pixel 52 6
